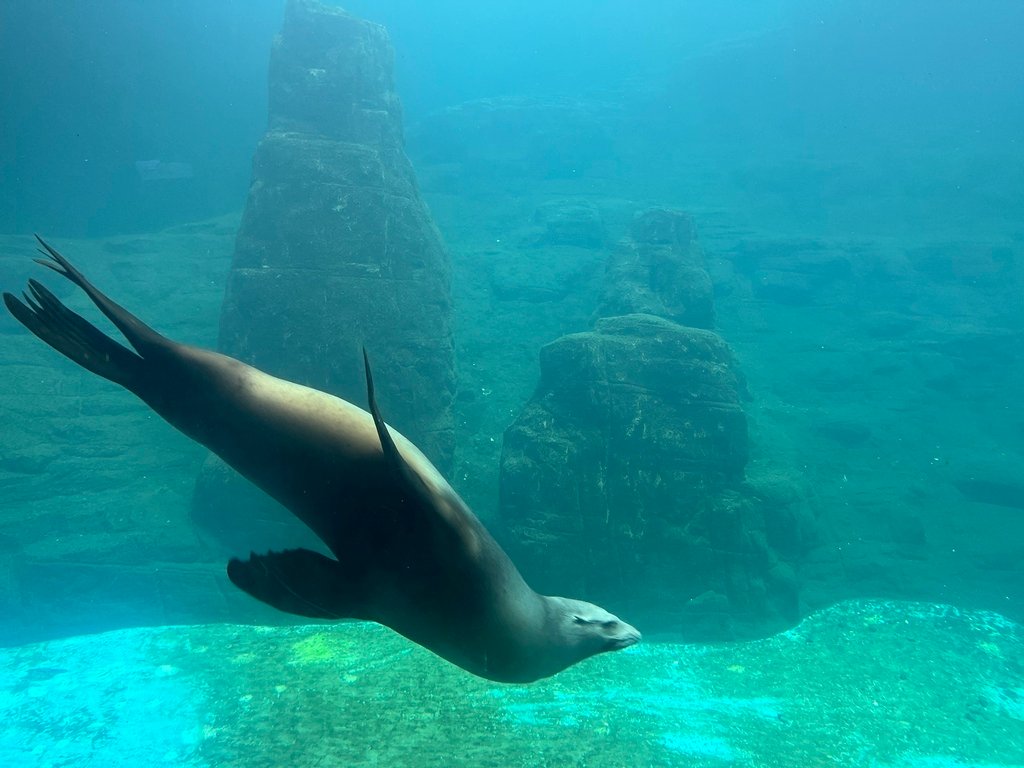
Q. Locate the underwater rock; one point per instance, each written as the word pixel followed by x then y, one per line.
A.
pixel 567 222
pixel 659 270
pixel 1002 491
pixel 331 74
pixel 865 683
pixel 792 272
pixel 623 477
pixel 336 248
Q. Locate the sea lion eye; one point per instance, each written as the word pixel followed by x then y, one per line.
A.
pixel 611 624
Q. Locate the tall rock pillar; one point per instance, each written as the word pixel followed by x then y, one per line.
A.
pixel 336 249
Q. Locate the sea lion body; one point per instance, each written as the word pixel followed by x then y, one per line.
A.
pixel 408 552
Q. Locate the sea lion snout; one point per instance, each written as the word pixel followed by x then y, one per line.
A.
pixel 618 634
pixel 595 626
pixel 627 637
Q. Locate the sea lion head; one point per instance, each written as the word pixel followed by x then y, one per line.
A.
pixel 587 629
pixel 570 631
pixel 594 627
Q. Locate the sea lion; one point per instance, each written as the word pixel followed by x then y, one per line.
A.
pixel 409 553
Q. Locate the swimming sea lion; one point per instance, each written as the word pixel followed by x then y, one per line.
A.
pixel 410 553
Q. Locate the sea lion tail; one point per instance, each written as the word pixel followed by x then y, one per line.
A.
pixel 74 336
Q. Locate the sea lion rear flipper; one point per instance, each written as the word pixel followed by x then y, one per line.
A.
pixel 297 581
pixel 140 335
pixel 74 336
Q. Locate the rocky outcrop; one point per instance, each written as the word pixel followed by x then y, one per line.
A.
pixel 620 477
pixel 794 272
pixel 567 222
pixel 623 478
pixel 336 249
pixel 659 270
pixel 629 408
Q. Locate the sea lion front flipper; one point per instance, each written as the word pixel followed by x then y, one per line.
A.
pixel 402 472
pixel 445 513
pixel 297 581
pixel 387 443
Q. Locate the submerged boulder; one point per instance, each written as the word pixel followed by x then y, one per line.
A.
pixel 623 478
pixel 567 222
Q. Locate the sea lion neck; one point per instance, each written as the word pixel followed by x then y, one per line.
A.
pixel 541 640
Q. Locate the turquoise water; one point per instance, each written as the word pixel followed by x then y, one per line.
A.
pixel 854 172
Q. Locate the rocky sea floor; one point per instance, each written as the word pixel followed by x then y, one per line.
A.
pixel 864 683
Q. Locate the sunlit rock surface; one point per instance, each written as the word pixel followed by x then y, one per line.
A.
pixel 862 684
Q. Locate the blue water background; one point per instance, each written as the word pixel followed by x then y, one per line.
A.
pixel 91 89
pixel 825 119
